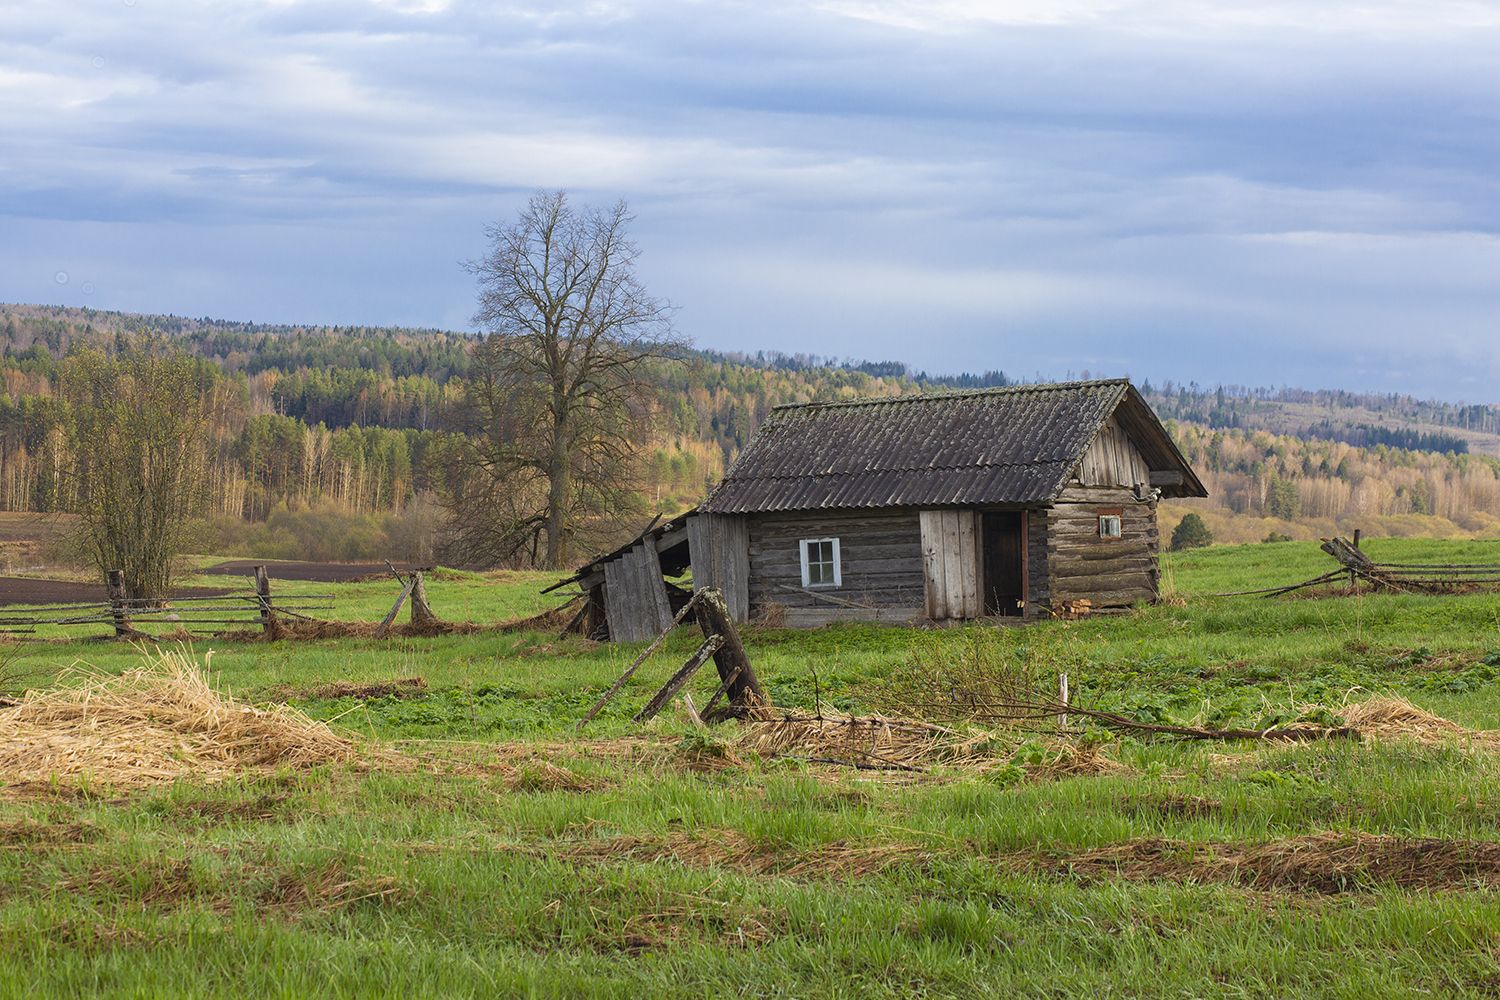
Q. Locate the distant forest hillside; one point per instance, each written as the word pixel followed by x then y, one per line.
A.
pixel 351 419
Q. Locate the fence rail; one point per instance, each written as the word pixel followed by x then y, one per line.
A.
pixel 123 614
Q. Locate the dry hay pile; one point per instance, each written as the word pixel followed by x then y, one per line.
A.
pixel 155 724
pixel 1391 718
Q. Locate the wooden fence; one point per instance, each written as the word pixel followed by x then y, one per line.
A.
pixel 125 615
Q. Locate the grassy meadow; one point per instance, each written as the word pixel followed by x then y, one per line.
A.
pixel 486 849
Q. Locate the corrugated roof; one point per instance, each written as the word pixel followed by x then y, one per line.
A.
pixel 1013 445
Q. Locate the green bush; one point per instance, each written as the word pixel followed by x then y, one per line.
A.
pixel 1191 533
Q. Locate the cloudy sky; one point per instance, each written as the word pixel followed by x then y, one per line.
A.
pixel 1242 192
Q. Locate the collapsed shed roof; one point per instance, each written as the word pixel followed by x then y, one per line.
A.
pixel 1013 445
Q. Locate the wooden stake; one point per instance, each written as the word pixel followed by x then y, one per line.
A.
pixel 263 599
pixel 677 680
pixel 1062 696
pixel 115 587
pixel 421 612
pixel 731 659
pixel 395 608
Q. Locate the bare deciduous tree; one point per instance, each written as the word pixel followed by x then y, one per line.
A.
pixel 555 403
pixel 140 420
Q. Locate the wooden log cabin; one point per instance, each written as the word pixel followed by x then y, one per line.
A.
pixel 1023 501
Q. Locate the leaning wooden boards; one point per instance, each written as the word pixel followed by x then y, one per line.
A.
pixel 950 564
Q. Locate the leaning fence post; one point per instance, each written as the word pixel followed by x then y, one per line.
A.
pixel 118 604
pixel 421 613
pixel 263 599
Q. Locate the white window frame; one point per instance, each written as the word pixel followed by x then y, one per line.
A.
pixel 838 565
pixel 1119 531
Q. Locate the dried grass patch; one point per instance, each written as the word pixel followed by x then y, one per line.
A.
pixel 884 744
pixel 29 834
pixel 156 724
pixel 1393 718
pixel 399 687
pixel 1325 863
pixel 733 850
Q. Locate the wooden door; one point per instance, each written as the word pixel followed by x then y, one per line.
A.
pixel 950 564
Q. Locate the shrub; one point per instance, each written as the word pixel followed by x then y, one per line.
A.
pixel 1191 533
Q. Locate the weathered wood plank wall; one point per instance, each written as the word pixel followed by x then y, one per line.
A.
pixel 1112 459
pixel 950 564
pixel 635 594
pixel 720 547
pixel 881 555
pixel 1110 572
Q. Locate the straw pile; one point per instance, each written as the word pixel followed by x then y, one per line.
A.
pixel 154 724
pixel 1392 718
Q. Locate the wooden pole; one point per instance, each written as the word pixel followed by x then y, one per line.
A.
pixel 118 602
pixel 677 680
pixel 421 612
pixel 1062 696
pixel 395 608
pixel 263 601
pixel 1352 580
pixel 733 663
pixel 614 688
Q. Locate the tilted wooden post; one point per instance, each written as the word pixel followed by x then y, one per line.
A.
pixel 263 599
pixel 421 612
pixel 118 603
pixel 744 687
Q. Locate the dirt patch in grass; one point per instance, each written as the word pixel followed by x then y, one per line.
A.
pixel 1327 863
pixel 399 687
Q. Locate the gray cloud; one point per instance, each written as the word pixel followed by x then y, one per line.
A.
pixel 1239 192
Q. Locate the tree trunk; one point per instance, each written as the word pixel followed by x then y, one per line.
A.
pixel 558 469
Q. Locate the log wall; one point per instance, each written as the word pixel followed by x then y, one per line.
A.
pixel 1110 572
pixel 881 558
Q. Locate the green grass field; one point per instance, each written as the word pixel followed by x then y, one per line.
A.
pixel 518 859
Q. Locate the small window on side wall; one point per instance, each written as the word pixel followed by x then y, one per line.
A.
pixel 1111 524
pixel 820 563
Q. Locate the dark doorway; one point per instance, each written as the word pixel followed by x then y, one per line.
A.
pixel 1004 562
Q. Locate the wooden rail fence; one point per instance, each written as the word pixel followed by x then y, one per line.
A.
pixel 125 615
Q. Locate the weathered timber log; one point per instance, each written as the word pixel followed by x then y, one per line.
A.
pixel 681 677
pixel 731 659
pixel 395 608
pixel 421 611
pixel 619 683
pixel 115 587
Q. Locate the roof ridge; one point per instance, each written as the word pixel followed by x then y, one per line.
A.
pixel 999 390
pixel 1035 463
